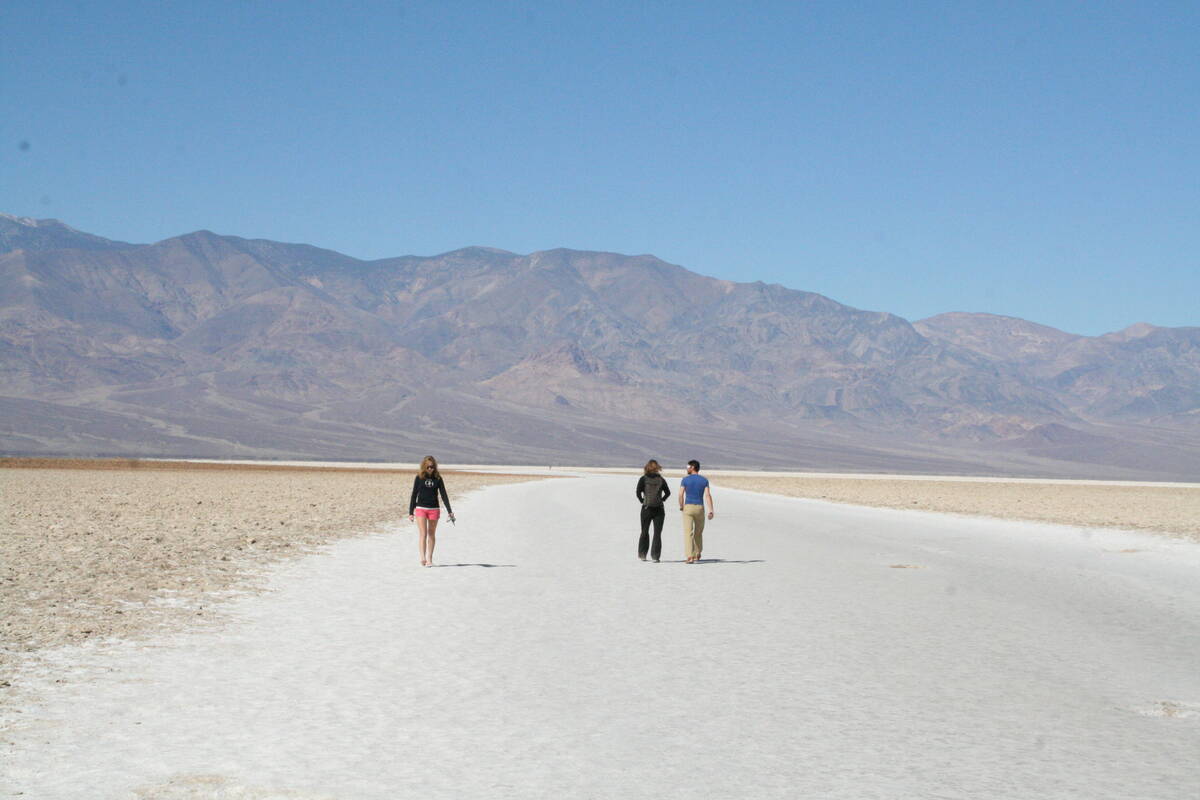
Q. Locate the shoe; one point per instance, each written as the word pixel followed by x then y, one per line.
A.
pixel 655 560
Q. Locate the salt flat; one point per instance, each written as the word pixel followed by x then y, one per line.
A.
pixel 821 650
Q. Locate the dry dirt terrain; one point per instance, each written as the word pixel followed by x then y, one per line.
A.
pixel 94 548
pixel 118 547
pixel 1165 509
pixel 1004 661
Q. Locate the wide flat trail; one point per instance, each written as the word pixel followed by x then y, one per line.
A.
pixel 820 651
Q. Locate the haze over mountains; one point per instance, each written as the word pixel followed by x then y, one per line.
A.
pixel 217 346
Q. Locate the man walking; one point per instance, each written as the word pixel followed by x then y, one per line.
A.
pixel 693 494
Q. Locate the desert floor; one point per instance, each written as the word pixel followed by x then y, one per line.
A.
pixel 819 650
pixel 90 549
pixel 1159 508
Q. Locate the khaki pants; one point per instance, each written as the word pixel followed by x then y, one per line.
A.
pixel 693 530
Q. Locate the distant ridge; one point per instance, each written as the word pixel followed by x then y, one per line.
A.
pixel 211 345
pixel 27 233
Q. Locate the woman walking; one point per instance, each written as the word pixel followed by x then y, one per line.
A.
pixel 423 506
pixel 652 490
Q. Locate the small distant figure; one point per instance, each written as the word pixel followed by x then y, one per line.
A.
pixel 423 506
pixel 652 491
pixel 693 493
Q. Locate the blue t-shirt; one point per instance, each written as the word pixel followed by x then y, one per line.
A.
pixel 693 489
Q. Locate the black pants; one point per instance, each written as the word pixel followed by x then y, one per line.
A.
pixel 654 514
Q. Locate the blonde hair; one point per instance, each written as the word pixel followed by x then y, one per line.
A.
pixel 429 468
pixel 652 467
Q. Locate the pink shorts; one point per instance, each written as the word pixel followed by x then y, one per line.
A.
pixel 428 513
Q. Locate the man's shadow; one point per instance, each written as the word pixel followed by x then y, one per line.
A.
pixel 716 561
pixel 489 566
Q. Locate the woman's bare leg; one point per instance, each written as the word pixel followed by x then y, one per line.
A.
pixel 430 542
pixel 422 534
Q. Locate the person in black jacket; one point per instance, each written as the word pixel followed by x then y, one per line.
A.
pixel 423 506
pixel 651 491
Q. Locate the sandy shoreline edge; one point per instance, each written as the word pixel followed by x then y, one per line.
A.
pixel 91 548
pixel 120 547
pixel 1166 510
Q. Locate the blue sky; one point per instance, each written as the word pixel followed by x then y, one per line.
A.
pixel 1032 159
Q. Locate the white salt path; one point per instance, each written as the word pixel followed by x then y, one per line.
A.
pixel 1010 660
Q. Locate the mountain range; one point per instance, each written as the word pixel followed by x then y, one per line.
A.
pixel 205 345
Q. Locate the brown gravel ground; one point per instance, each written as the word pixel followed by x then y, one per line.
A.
pixel 1160 509
pixel 117 548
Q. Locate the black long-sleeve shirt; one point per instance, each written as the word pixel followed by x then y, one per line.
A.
pixel 650 495
pixel 425 494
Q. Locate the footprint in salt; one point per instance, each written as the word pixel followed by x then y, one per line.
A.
pixel 1170 709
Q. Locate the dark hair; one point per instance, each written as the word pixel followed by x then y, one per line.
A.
pixel 694 464
pixel 652 467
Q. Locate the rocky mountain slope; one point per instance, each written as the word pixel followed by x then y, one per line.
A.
pixel 214 345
